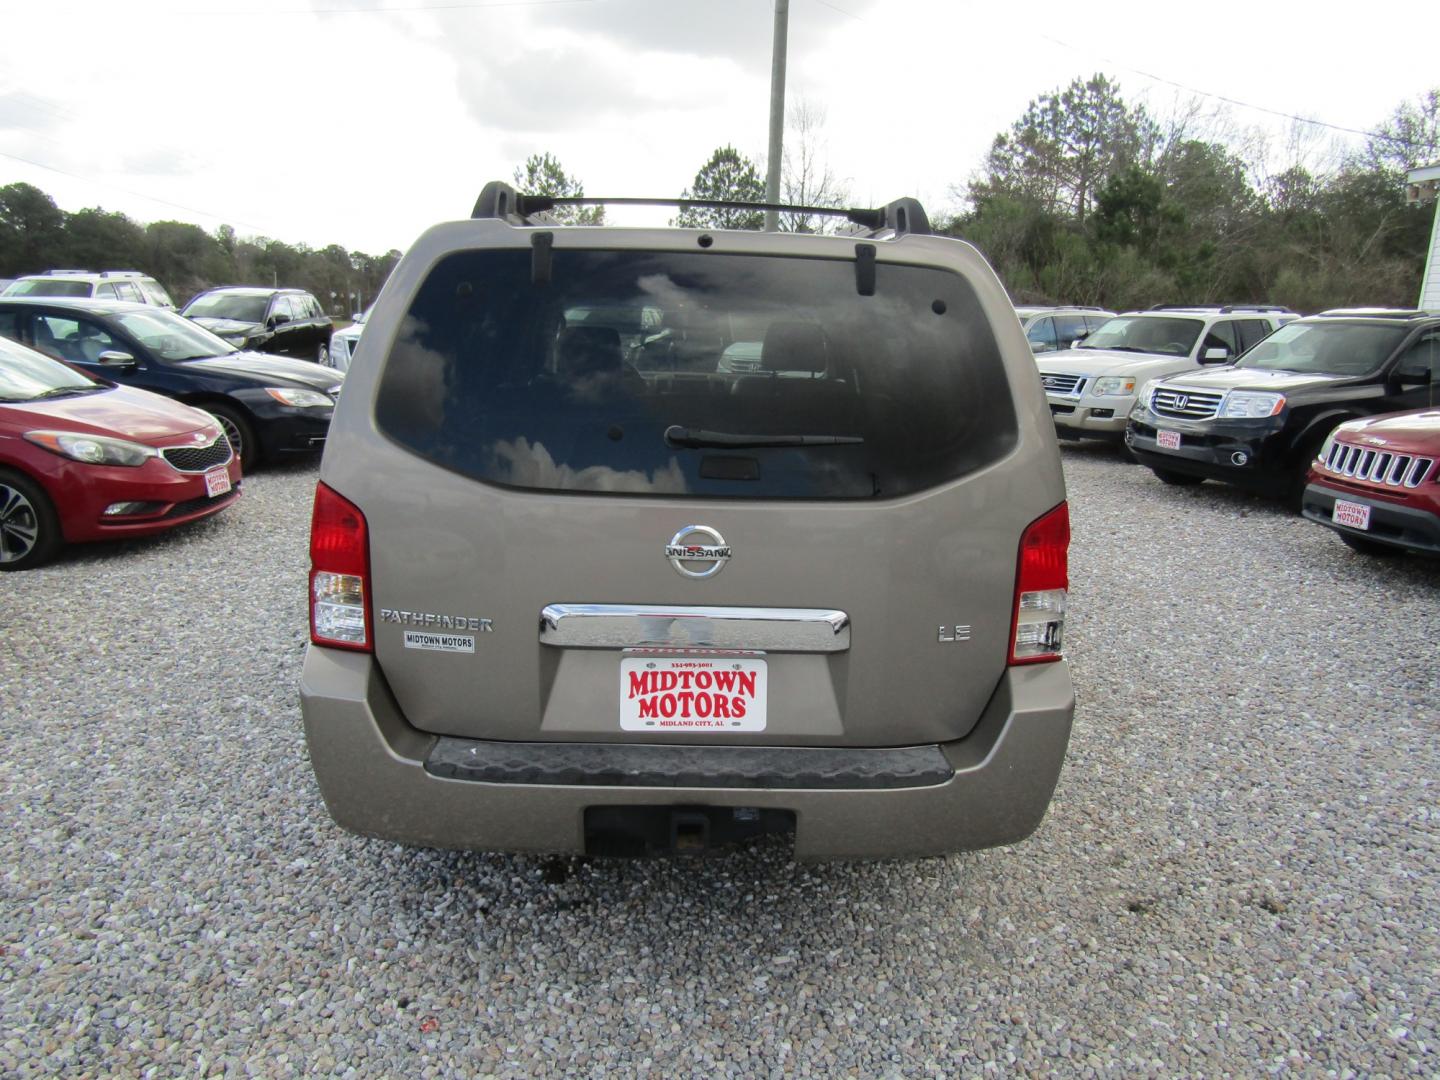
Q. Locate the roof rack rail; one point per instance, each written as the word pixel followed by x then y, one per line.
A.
pixel 1223 309
pixel 49 272
pixel 122 273
pixel 1376 313
pixel 499 200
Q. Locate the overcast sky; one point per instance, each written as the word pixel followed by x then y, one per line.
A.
pixel 361 122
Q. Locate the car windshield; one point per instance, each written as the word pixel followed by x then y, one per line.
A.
pixel 1329 348
pixel 235 306
pixel 26 375
pixel 691 374
pixel 171 338
pixel 47 287
pixel 1146 334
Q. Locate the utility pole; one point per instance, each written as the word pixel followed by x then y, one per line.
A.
pixel 777 113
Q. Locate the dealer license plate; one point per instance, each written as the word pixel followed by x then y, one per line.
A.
pixel 1168 440
pixel 1355 515
pixel 724 692
pixel 217 482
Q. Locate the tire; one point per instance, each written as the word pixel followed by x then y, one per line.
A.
pixel 239 431
pixel 1373 548
pixel 322 354
pixel 29 527
pixel 1177 479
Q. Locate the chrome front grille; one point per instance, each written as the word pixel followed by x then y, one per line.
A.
pixel 1382 467
pixel 193 459
pixel 1063 385
pixel 1185 404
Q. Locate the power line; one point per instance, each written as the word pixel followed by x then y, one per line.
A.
pixel 459 6
pixel 1188 89
pixel 842 11
pixel 139 195
pixel 1229 100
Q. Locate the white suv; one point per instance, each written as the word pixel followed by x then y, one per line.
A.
pixel 129 285
pixel 1092 387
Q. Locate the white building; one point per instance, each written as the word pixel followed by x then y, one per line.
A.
pixel 1424 187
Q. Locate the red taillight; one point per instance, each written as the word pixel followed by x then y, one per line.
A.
pixel 339 574
pixel 1041 581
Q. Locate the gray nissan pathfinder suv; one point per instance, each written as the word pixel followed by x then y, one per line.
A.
pixel 636 540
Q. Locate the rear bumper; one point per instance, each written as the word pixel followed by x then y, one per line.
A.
pixel 371 767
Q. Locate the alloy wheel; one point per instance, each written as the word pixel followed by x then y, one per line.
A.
pixel 19 524
pixel 232 434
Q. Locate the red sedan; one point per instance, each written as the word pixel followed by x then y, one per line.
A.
pixel 85 460
pixel 1377 483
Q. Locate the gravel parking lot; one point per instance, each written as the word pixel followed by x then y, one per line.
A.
pixel 1239 873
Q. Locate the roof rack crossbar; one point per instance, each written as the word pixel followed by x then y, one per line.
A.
pixel 1223 309
pixel 499 200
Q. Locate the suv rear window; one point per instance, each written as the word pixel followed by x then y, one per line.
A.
pixel 41 287
pixel 666 373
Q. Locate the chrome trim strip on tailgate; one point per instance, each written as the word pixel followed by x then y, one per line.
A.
pixel 624 626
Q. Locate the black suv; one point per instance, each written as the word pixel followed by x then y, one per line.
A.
pixel 1260 422
pixel 289 322
pixel 268 405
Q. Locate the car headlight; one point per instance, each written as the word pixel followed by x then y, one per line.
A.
pixel 93 449
pixel 1243 403
pixel 300 399
pixel 1325 449
pixel 1114 386
pixel 238 340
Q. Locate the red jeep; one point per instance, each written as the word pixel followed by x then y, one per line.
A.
pixel 1375 483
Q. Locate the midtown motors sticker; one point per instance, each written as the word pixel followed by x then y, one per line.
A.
pixel 723 693
pixel 422 639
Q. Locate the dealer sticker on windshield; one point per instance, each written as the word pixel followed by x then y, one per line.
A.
pixel 421 639
pixel 1168 440
pixel 725 692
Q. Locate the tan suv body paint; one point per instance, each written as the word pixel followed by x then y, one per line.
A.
pixel 502 614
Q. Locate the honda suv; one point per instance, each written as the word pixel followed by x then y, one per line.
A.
pixel 1260 423
pixel 572 591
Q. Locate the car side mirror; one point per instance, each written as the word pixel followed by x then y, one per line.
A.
pixel 1413 378
pixel 1039 347
pixel 278 319
pixel 114 358
pixel 1081 336
pixel 1215 356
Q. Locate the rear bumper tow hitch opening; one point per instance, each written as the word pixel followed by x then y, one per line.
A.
pixel 678 830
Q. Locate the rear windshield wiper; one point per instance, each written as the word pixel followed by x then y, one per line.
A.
pixel 675 435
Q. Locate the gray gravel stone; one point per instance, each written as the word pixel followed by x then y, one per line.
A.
pixel 1239 873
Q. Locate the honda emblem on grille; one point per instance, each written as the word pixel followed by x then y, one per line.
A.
pixel 694 560
pixel 1181 400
